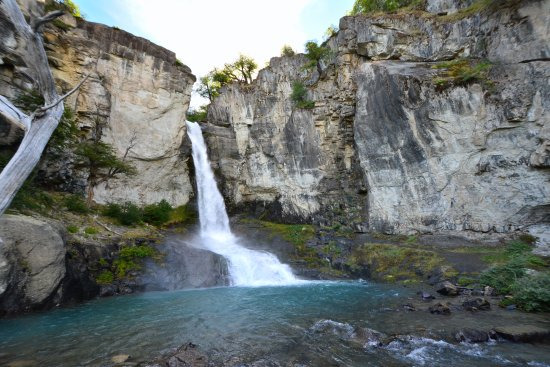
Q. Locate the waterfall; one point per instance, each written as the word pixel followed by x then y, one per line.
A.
pixel 246 267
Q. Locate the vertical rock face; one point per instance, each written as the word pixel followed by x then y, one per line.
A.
pixel 387 147
pixel 139 91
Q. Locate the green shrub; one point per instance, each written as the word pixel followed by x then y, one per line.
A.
pixel 157 214
pixel 532 292
pixel 130 259
pixel 298 96
pixel 76 204
pixel 197 115
pixel 91 230
pixel 463 72
pixel 72 228
pixel 373 6
pixel 182 214
pixel 66 5
pixel 127 214
pixel 315 53
pixel 502 277
pixel 105 277
pixel 287 51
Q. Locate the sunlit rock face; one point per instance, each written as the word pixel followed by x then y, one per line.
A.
pixel 388 149
pixel 137 91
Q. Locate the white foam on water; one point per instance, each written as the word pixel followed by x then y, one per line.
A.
pixel 246 267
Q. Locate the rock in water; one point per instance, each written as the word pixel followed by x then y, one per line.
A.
pixel 471 336
pixel 447 289
pixel 440 309
pixel 186 356
pixel 523 333
pixel 120 358
pixel 476 304
pixel 32 263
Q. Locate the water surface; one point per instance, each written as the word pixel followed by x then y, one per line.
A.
pixel 284 324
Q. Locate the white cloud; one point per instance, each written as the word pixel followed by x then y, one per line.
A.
pixel 208 33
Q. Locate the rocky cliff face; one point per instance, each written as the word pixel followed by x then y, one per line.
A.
pixel 139 91
pixel 390 145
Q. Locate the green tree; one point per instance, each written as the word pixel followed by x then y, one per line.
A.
pixel 331 31
pixel 240 71
pixel 287 51
pixel 209 87
pixel 100 159
pixel 196 115
pixel 315 54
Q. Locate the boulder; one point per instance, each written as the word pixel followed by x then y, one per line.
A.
pixel 425 296
pixel 440 309
pixel 32 263
pixel 471 336
pixel 368 337
pixel 477 304
pixel 447 289
pixel 523 333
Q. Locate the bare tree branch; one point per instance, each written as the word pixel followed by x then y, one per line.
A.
pixel 37 23
pixel 13 115
pixel 65 96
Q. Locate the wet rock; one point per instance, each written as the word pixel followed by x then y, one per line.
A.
pixel 477 304
pixel 488 291
pixel 409 307
pixel 511 307
pixel 326 327
pixel 472 336
pixel 447 289
pixel 187 355
pixel 523 333
pixel 368 337
pixel 120 358
pixel 426 296
pixel 440 309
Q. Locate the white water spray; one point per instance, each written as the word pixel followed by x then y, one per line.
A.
pixel 246 267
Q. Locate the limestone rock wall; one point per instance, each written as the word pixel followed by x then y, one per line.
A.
pixel 386 147
pixel 137 89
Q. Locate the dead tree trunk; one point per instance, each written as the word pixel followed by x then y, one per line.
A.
pixel 40 125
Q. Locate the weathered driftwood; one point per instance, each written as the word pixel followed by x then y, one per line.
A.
pixel 42 123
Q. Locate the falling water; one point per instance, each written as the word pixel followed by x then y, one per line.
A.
pixel 246 267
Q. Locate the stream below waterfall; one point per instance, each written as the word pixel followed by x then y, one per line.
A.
pixel 304 325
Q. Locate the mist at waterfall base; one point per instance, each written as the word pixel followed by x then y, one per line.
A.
pixel 247 267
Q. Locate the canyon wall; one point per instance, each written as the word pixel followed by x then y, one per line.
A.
pixel 138 91
pixel 390 145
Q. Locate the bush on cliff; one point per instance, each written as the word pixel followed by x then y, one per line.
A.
pixel 373 6
pixel 299 94
pixel 66 5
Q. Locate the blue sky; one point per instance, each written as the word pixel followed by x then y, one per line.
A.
pixel 208 33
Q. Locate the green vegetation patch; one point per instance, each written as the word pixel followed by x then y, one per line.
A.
pixel 299 96
pixel 76 204
pixel 463 72
pixel 130 258
pixel 517 272
pixel 66 5
pixel 159 214
pixel 384 6
pixel 396 263
pixel 105 277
